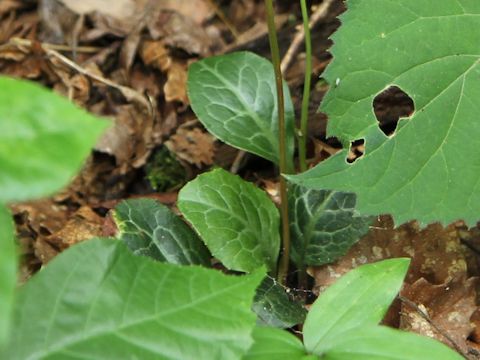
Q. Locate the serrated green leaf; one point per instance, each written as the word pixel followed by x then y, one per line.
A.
pixel 429 169
pixel 323 224
pixel 383 343
pixel 44 140
pixel 359 298
pixel 237 221
pixel 8 272
pixel 151 229
pixel 234 97
pixel 275 307
pixel 99 301
pixel 270 343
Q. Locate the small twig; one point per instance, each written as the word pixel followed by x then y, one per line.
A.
pixel 57 47
pixel 320 13
pixel 426 317
pixel 237 162
pixel 224 19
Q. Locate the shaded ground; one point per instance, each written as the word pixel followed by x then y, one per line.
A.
pixel 128 63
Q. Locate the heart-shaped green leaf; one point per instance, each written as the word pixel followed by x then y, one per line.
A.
pixel 428 170
pixel 99 301
pixel 8 271
pixel 276 344
pixel 151 229
pixel 275 307
pixel 44 140
pixel 234 97
pixel 323 224
pixel 380 342
pixel 359 298
pixel 237 221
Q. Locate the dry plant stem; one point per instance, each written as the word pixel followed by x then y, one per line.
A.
pixel 319 13
pixel 302 134
pixel 272 36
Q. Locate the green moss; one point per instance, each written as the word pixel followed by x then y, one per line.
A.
pixel 164 172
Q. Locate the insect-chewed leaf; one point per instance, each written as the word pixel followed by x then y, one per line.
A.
pixel 428 170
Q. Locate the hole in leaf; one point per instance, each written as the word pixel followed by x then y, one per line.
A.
pixel 391 105
pixel 357 149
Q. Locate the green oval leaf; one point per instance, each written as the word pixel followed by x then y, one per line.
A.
pixel 429 169
pixel 359 298
pixel 275 307
pixel 270 343
pixel 151 229
pixel 44 140
pixel 323 224
pixel 380 342
pixel 8 272
pixel 237 221
pixel 99 301
pixel 234 97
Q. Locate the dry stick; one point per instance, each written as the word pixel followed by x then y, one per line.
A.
pixel 426 317
pixel 79 49
pixel 129 93
pixel 320 12
pixel 224 19
pixel 272 35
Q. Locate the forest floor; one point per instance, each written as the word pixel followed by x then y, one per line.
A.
pixel 128 63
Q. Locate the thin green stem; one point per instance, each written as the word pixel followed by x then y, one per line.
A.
pixel 282 139
pixel 302 133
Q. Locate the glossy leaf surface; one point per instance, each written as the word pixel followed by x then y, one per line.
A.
pixel 234 96
pixel 237 221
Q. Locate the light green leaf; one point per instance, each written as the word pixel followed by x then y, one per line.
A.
pixel 234 96
pixel 276 344
pixel 429 169
pixel 237 221
pixel 8 271
pixel 44 140
pixel 383 343
pixel 151 229
pixel 275 307
pixel 99 301
pixel 323 224
pixel 359 298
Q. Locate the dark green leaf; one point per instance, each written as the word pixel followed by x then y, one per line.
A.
pixel 99 301
pixel 237 221
pixel 383 343
pixel 276 344
pixel 151 229
pixel 323 224
pixel 359 298
pixel 8 272
pixel 234 96
pixel 44 140
pixel 275 307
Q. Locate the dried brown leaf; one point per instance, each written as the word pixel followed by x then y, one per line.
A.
pixel 193 146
